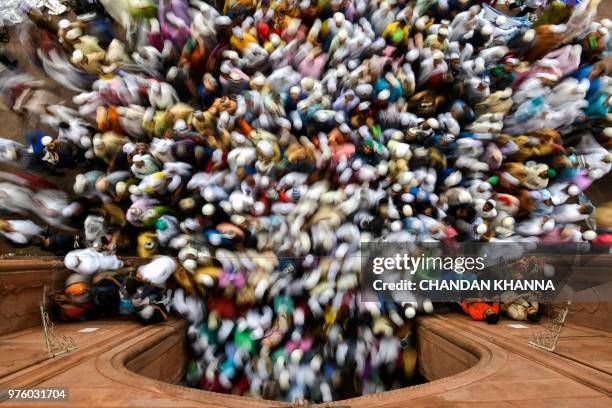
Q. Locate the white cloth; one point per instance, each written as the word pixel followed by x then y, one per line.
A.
pixel 158 271
pixel 89 261
pixel 24 231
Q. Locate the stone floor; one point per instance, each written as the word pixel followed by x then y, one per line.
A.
pixel 505 371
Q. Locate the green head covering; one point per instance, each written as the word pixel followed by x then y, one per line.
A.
pixel 283 304
pixel 243 340
pixel 376 131
pixel 397 36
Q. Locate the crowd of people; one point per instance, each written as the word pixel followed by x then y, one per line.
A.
pixel 244 149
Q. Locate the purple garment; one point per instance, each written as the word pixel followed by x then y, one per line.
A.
pixel 582 180
pixel 340 104
pixel 180 9
pixel 138 209
pixel 566 63
pixel 178 35
pixel 313 68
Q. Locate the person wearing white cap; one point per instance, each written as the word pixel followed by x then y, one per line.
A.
pixel 432 67
pixel 382 17
pixel 346 102
pixel 438 40
pixel 158 271
pixel 339 45
pixel 364 91
pixel 162 95
pixel 20 232
pixel 337 23
pixel 88 54
pixel 463 22
pixel 89 261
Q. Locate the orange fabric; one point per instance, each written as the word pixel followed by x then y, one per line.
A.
pixel 109 120
pixel 244 127
pixel 113 120
pixel 477 310
pixel 77 289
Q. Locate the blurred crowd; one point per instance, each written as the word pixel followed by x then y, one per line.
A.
pixel 243 150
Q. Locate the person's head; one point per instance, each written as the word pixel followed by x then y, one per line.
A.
pixel 491 317
pixel 39 240
pixel 533 315
pixel 586 209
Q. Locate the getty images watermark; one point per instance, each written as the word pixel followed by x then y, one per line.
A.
pixel 459 264
pixel 405 271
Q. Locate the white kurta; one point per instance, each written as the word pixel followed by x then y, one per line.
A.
pixel 24 231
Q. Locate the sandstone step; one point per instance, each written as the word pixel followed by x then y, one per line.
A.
pixel 467 363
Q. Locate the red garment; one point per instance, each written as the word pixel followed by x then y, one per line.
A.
pixel 225 307
pixel 263 31
pixel 603 239
pixel 436 81
pixel 477 310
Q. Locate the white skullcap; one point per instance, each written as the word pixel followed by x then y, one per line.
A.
pixel 63 24
pixel 322 116
pixel 433 123
pixel 74 34
pixel 438 55
pixel 544 75
pixel 589 235
pixel 384 95
pixel 222 21
pixel 364 90
pixel 225 68
pixel 259 80
pixel 231 54
pixel 339 117
pixel 529 35
pixel 364 106
pixel 180 125
pixel 307 84
pixel 420 23
pixel 129 147
pixel 77 56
